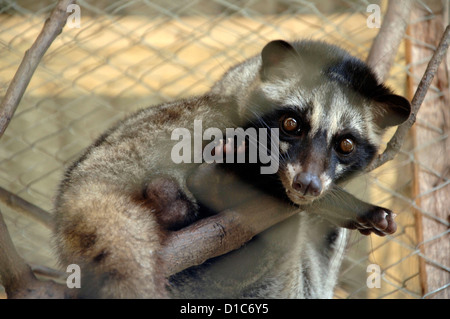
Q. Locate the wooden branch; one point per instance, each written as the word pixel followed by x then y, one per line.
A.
pixel 49 273
pixel 26 208
pixel 396 142
pixel 435 113
pixel 18 278
pixel 14 272
pixel 418 223
pixel 220 234
pixel 52 28
pixel 385 46
pixel 15 275
pixel 252 212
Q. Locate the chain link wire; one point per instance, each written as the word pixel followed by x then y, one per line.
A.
pixel 132 54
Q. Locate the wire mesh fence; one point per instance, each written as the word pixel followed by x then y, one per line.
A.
pixel 126 55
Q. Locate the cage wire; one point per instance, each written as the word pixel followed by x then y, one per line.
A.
pixel 126 55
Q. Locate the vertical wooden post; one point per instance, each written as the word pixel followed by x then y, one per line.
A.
pixel 432 150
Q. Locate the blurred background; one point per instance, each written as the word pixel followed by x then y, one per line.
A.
pixel 127 55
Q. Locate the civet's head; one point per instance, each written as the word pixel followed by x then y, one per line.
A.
pixel 330 110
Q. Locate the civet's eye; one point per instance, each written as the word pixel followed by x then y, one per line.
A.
pixel 346 146
pixel 290 124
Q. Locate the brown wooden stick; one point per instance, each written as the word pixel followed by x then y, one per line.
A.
pixel 49 273
pixel 52 28
pixel 15 275
pixel 415 170
pixel 221 233
pixel 431 210
pixel 14 272
pixel 385 46
pixel 24 207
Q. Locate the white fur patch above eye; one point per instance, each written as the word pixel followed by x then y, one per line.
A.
pixel 284 146
pixel 317 120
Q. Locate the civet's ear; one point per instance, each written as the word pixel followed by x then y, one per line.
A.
pixel 273 54
pixel 392 110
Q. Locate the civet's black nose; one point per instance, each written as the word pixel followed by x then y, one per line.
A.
pixel 307 184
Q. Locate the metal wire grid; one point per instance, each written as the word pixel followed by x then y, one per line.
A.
pixel 131 54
